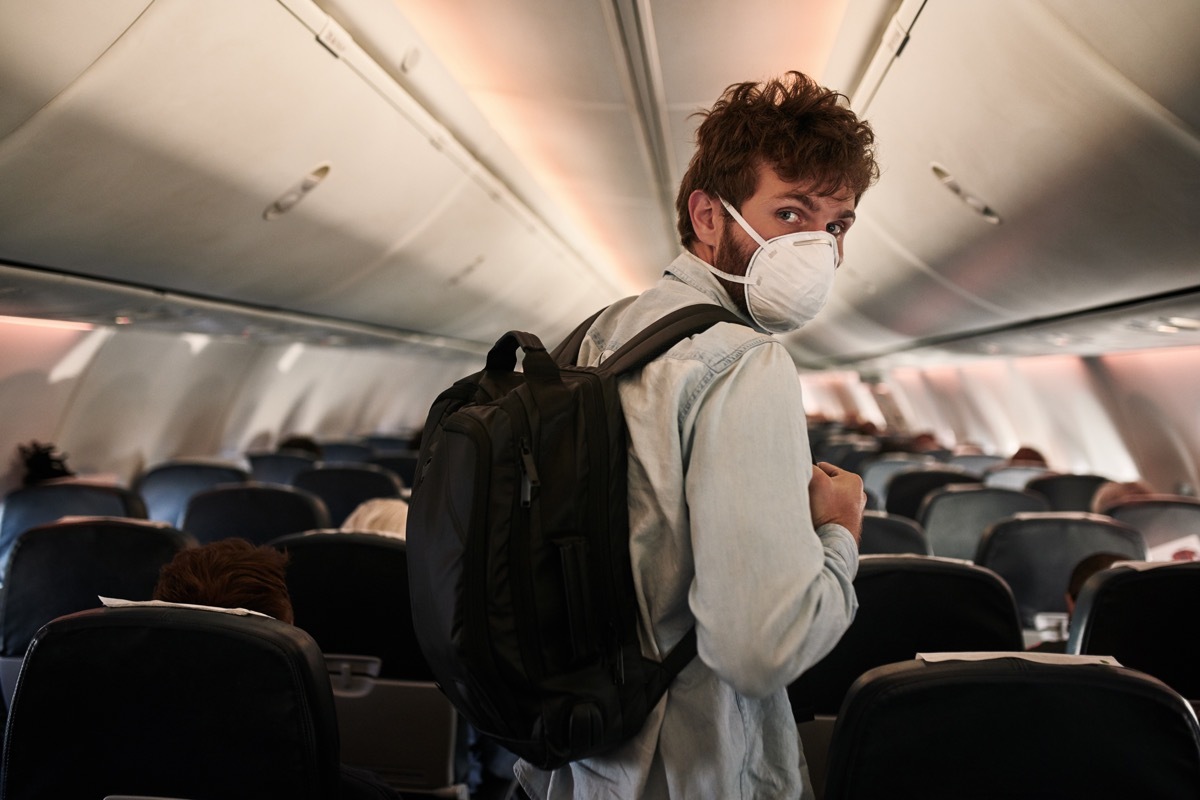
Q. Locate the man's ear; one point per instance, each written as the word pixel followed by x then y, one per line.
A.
pixel 707 217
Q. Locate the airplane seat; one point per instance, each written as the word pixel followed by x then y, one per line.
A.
pixel 257 512
pixel 955 516
pixel 892 534
pixel 401 462
pixel 349 452
pixel 350 591
pixel 907 488
pixel 1011 725
pixel 977 463
pixel 1013 476
pixel 388 442
pixel 907 604
pixel 64 567
pixel 1162 519
pixel 168 486
pixel 1036 553
pixel 1141 614
pixel 872 502
pixel 171 702
pixel 279 466
pixel 32 506
pixel 875 474
pixel 1067 491
pixel 343 486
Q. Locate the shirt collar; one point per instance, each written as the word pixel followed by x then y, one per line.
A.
pixel 691 269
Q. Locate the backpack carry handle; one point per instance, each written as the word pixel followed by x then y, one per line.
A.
pixel 537 363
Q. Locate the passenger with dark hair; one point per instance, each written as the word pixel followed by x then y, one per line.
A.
pixel 304 444
pixel 1027 456
pixel 1110 493
pixel 720 540
pixel 42 463
pixel 228 573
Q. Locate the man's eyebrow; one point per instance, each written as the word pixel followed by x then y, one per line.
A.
pixel 810 204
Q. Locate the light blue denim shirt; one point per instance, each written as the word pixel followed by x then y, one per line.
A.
pixel 721 537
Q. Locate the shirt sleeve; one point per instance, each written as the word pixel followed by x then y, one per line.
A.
pixel 771 595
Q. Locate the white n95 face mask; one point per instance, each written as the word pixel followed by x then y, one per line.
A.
pixel 789 277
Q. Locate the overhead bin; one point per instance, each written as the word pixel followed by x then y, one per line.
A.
pixel 159 164
pixel 1076 128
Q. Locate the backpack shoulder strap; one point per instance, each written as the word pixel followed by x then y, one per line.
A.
pixel 659 337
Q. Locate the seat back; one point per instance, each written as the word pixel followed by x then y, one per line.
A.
pixel 1160 518
pixel 63 567
pixel 350 452
pixel 907 605
pixel 31 506
pixel 978 463
pixel 169 486
pixel 1067 492
pixel 892 534
pixel 171 702
pixel 907 488
pixel 1141 615
pixel 343 486
pixel 955 517
pixel 403 463
pixel 1013 476
pixel 878 472
pixel 350 592
pixel 257 512
pixel 1012 727
pixel 1036 554
pixel 279 466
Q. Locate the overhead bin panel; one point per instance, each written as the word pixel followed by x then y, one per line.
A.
pixel 223 149
pixel 1002 106
pixel 45 45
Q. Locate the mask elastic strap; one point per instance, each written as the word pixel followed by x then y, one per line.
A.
pixel 745 226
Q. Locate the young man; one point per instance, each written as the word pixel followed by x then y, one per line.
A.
pixel 723 536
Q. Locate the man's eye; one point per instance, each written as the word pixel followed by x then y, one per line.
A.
pixel 836 228
pixel 789 216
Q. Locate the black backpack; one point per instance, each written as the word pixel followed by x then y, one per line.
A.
pixel 518 548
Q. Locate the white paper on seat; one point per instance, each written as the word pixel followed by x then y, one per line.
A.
pixel 113 602
pixel 1041 658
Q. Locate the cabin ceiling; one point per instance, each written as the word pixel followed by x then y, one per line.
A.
pixel 445 168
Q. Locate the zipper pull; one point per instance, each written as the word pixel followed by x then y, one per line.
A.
pixel 529 476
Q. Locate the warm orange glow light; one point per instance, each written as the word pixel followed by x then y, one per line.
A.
pixel 57 324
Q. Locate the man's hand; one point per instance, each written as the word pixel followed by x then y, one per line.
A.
pixel 835 495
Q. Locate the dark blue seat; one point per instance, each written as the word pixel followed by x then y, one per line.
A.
pixel 1036 554
pixel 1067 492
pixel 1160 518
pixel 32 506
pixel 1010 727
pixel 401 462
pixel 1142 614
pixel 351 452
pixel 892 534
pixel 167 487
pixel 907 488
pixel 279 466
pixel 64 567
pixel 350 591
pixel 954 517
pixel 172 702
pixel 257 512
pixel 344 486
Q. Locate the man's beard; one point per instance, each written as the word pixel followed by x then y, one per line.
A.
pixel 733 258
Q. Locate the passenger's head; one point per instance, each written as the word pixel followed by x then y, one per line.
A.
pixel 1085 569
pixel 1028 455
pixel 305 444
pixel 791 125
pixel 384 515
pixel 228 573
pixel 1109 494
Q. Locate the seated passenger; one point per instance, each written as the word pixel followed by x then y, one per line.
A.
pixel 1027 456
pixel 1109 494
pixel 387 516
pixel 233 573
pixel 1085 569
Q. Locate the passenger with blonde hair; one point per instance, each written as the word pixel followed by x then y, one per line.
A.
pixel 386 516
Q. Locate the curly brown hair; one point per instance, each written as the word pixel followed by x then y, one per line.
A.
pixel 800 128
pixel 228 573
